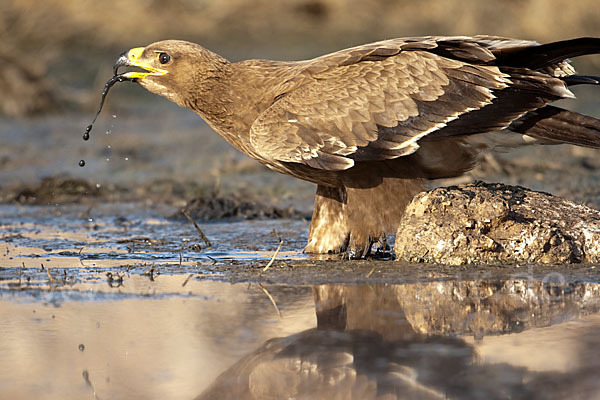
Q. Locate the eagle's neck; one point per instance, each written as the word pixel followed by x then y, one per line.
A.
pixel 234 97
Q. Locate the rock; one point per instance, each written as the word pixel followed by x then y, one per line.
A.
pixel 494 223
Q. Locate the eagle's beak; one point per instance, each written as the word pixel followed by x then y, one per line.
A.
pixel 131 58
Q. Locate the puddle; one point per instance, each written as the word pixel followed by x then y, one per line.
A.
pixel 76 237
pixel 451 339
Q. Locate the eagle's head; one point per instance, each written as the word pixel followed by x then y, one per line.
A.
pixel 175 69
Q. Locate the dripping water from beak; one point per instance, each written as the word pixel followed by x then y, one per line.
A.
pixel 114 79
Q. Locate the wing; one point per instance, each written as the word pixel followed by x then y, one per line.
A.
pixel 377 101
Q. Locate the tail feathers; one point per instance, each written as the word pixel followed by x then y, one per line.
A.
pixel 560 126
pixel 536 57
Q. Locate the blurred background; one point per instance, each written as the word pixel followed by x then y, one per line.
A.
pixel 70 44
pixel 57 54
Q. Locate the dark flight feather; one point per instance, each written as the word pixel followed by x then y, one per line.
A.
pixel 561 126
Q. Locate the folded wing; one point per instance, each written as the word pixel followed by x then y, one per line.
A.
pixel 377 101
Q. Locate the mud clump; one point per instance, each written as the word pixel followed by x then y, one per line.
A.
pixel 54 190
pixel 211 207
pixel 206 205
pixel 494 223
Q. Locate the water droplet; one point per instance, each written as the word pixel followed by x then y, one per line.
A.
pixel 82 163
pixel 86 134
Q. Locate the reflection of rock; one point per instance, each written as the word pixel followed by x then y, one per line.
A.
pixel 494 223
pixel 457 307
pixel 383 342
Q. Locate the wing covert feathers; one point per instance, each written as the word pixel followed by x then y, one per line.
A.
pixel 377 101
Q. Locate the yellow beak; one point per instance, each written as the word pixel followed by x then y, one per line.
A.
pixel 131 58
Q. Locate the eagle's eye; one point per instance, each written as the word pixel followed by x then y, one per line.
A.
pixel 164 58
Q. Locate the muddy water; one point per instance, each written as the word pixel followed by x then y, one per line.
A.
pixel 155 338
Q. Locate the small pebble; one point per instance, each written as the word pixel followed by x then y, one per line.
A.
pixel 81 347
pixel 81 163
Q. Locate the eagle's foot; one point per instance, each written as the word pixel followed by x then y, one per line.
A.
pixel 358 252
pixel 381 250
pixel 370 248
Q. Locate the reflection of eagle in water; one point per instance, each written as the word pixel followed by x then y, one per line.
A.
pixel 409 341
pixel 323 364
pixel 368 124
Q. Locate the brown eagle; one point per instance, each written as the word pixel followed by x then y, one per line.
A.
pixel 370 124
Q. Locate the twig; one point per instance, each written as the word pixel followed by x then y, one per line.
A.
pixel 86 378
pixel 49 274
pixel 371 273
pixel 202 235
pixel 187 279
pixel 214 261
pixel 272 300
pixel 273 258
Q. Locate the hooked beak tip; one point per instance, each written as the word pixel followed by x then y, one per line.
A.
pixel 122 61
pixel 132 58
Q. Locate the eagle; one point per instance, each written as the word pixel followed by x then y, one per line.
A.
pixel 369 125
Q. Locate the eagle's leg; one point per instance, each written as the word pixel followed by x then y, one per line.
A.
pixel 328 231
pixel 351 219
pixel 374 212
